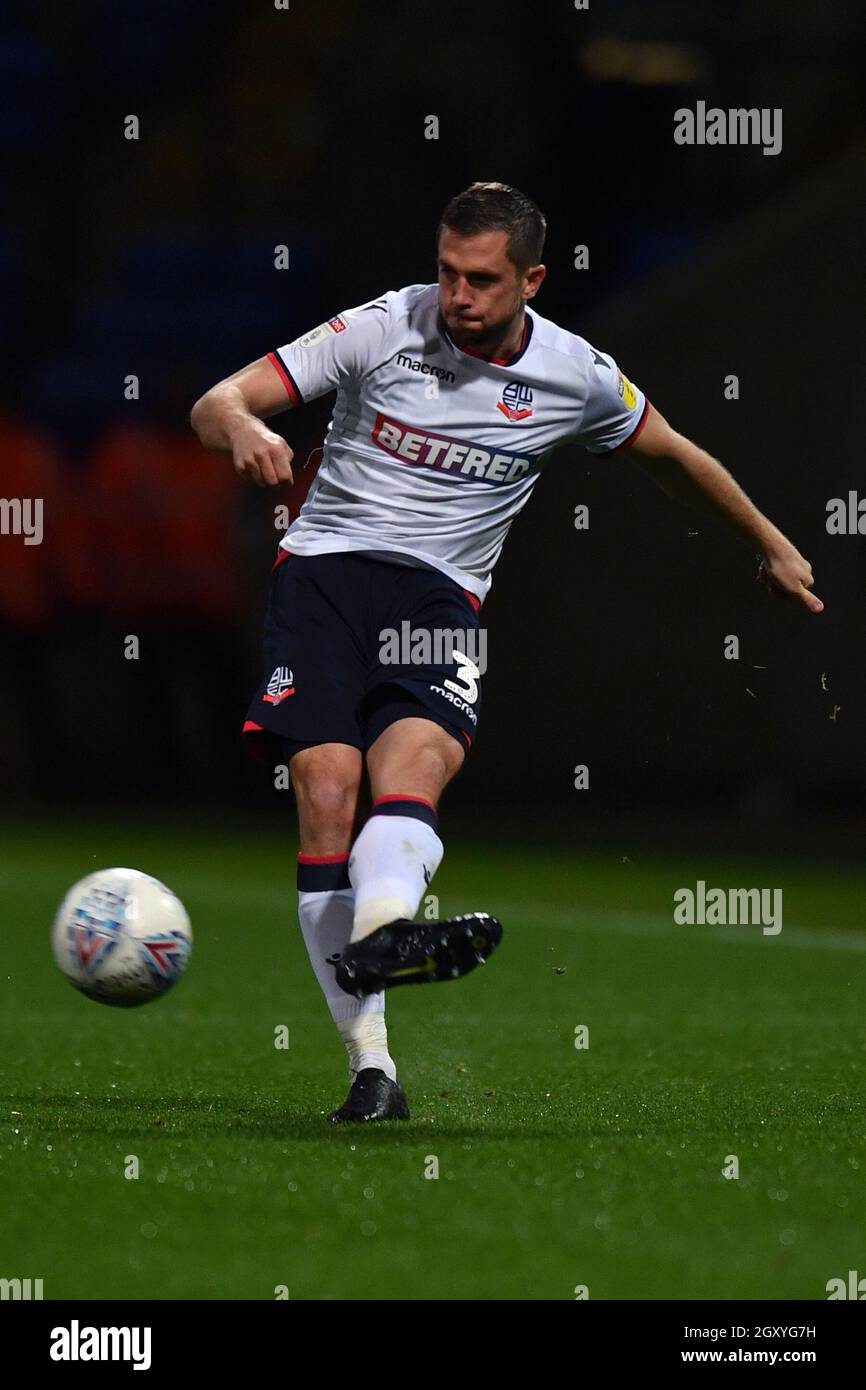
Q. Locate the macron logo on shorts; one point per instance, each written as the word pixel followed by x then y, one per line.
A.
pixel 449 455
pixel 279 686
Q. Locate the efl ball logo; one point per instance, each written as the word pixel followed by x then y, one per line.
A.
pixel 319 335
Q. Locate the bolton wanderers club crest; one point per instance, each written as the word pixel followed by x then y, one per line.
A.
pixel 516 401
pixel 280 686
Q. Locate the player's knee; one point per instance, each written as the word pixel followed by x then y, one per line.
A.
pixel 326 788
pixel 451 754
pixel 327 807
pixel 435 760
pixel 327 791
pixel 413 757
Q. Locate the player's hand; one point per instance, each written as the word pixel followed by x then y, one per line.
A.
pixel 784 571
pixel 262 456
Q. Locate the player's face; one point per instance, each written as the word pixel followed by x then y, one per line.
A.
pixel 480 290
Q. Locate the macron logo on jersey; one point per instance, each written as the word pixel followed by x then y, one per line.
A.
pixel 449 455
pixel 417 364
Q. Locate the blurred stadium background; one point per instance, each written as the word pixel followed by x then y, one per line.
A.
pixel 305 127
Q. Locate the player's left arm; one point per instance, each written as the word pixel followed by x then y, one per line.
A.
pixel 690 475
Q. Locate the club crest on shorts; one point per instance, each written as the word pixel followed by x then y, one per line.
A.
pixel 516 401
pixel 280 686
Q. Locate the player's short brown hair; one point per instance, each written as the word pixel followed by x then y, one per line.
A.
pixel 496 207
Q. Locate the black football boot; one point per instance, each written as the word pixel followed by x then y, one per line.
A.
pixel 410 953
pixel 373 1096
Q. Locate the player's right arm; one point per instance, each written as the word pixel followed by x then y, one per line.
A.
pixel 231 417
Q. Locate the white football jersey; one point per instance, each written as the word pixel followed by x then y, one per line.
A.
pixel 432 450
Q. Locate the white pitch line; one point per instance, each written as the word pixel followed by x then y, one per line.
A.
pixel 207 888
pixel 639 923
pixel 636 922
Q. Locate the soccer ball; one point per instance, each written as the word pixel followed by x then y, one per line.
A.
pixel 122 937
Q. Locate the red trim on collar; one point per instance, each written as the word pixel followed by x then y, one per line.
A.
pixel 501 361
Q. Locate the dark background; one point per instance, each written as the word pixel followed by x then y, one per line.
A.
pixel 305 128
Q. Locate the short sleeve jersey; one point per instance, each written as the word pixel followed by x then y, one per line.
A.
pixel 433 450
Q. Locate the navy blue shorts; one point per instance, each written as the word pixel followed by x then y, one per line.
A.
pixel 353 643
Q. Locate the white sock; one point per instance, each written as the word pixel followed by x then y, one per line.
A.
pixel 392 861
pixel 366 1039
pixel 326 914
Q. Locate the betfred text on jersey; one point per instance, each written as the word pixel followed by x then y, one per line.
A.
pixel 449 455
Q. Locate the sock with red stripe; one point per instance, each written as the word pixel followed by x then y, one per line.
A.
pixel 392 861
pixel 326 908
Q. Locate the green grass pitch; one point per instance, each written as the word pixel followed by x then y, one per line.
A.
pixel 558 1167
